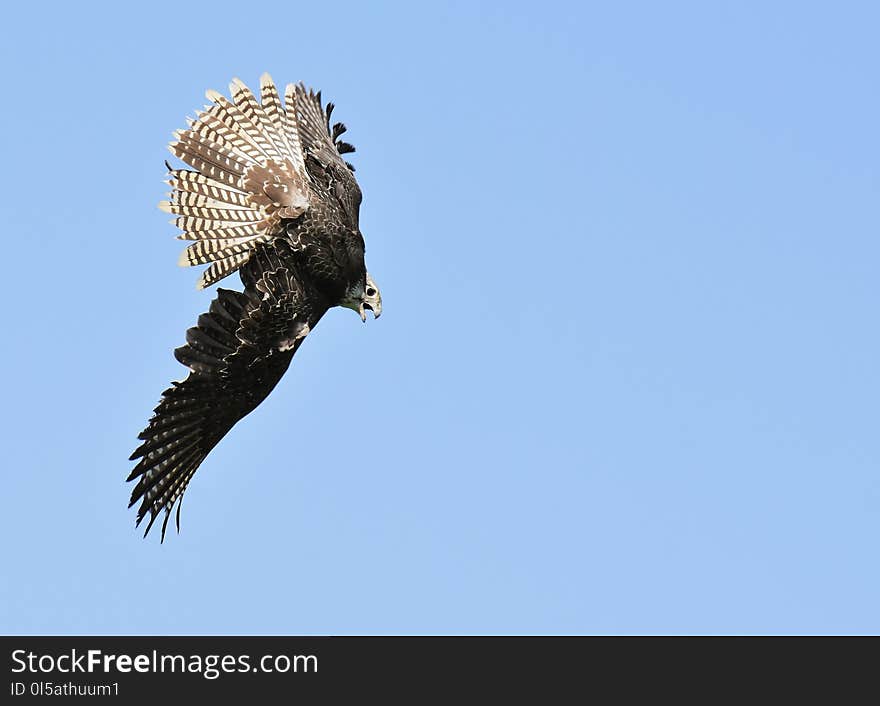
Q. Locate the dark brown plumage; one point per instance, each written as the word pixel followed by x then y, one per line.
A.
pixel 272 198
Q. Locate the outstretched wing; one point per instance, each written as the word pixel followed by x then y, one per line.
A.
pixel 322 148
pixel 236 354
pixel 250 174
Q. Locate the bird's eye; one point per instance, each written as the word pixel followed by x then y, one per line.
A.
pixel 371 292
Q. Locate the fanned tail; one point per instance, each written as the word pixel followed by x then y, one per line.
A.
pixel 249 174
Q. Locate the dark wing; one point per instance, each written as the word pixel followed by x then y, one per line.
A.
pixel 237 354
pixel 322 148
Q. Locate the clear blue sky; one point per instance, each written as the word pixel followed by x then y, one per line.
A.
pixel 626 380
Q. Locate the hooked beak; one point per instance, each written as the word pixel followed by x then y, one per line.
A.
pixel 377 312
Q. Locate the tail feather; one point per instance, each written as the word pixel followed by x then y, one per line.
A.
pixel 249 174
pixel 210 121
pixel 236 119
pixel 204 251
pixel 248 105
pixel 206 133
pixel 231 116
pixel 184 181
pixel 208 157
pixel 219 269
pixel 210 212
pixel 187 198
pixel 201 230
pixel 285 126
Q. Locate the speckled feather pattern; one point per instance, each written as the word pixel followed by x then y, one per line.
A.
pixel 272 198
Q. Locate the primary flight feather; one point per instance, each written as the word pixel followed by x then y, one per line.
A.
pixel 269 196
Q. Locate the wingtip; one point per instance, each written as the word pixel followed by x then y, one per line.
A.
pixel 153 516
pixel 165 525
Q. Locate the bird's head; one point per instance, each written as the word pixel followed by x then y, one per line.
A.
pixel 364 296
pixel 372 300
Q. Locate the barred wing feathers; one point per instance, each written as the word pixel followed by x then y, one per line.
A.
pixel 236 354
pixel 249 174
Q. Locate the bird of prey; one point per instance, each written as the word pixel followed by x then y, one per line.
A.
pixel 270 196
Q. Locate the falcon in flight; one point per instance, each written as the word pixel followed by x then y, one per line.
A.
pixel 270 196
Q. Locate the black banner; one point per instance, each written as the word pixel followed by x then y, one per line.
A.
pixel 130 669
